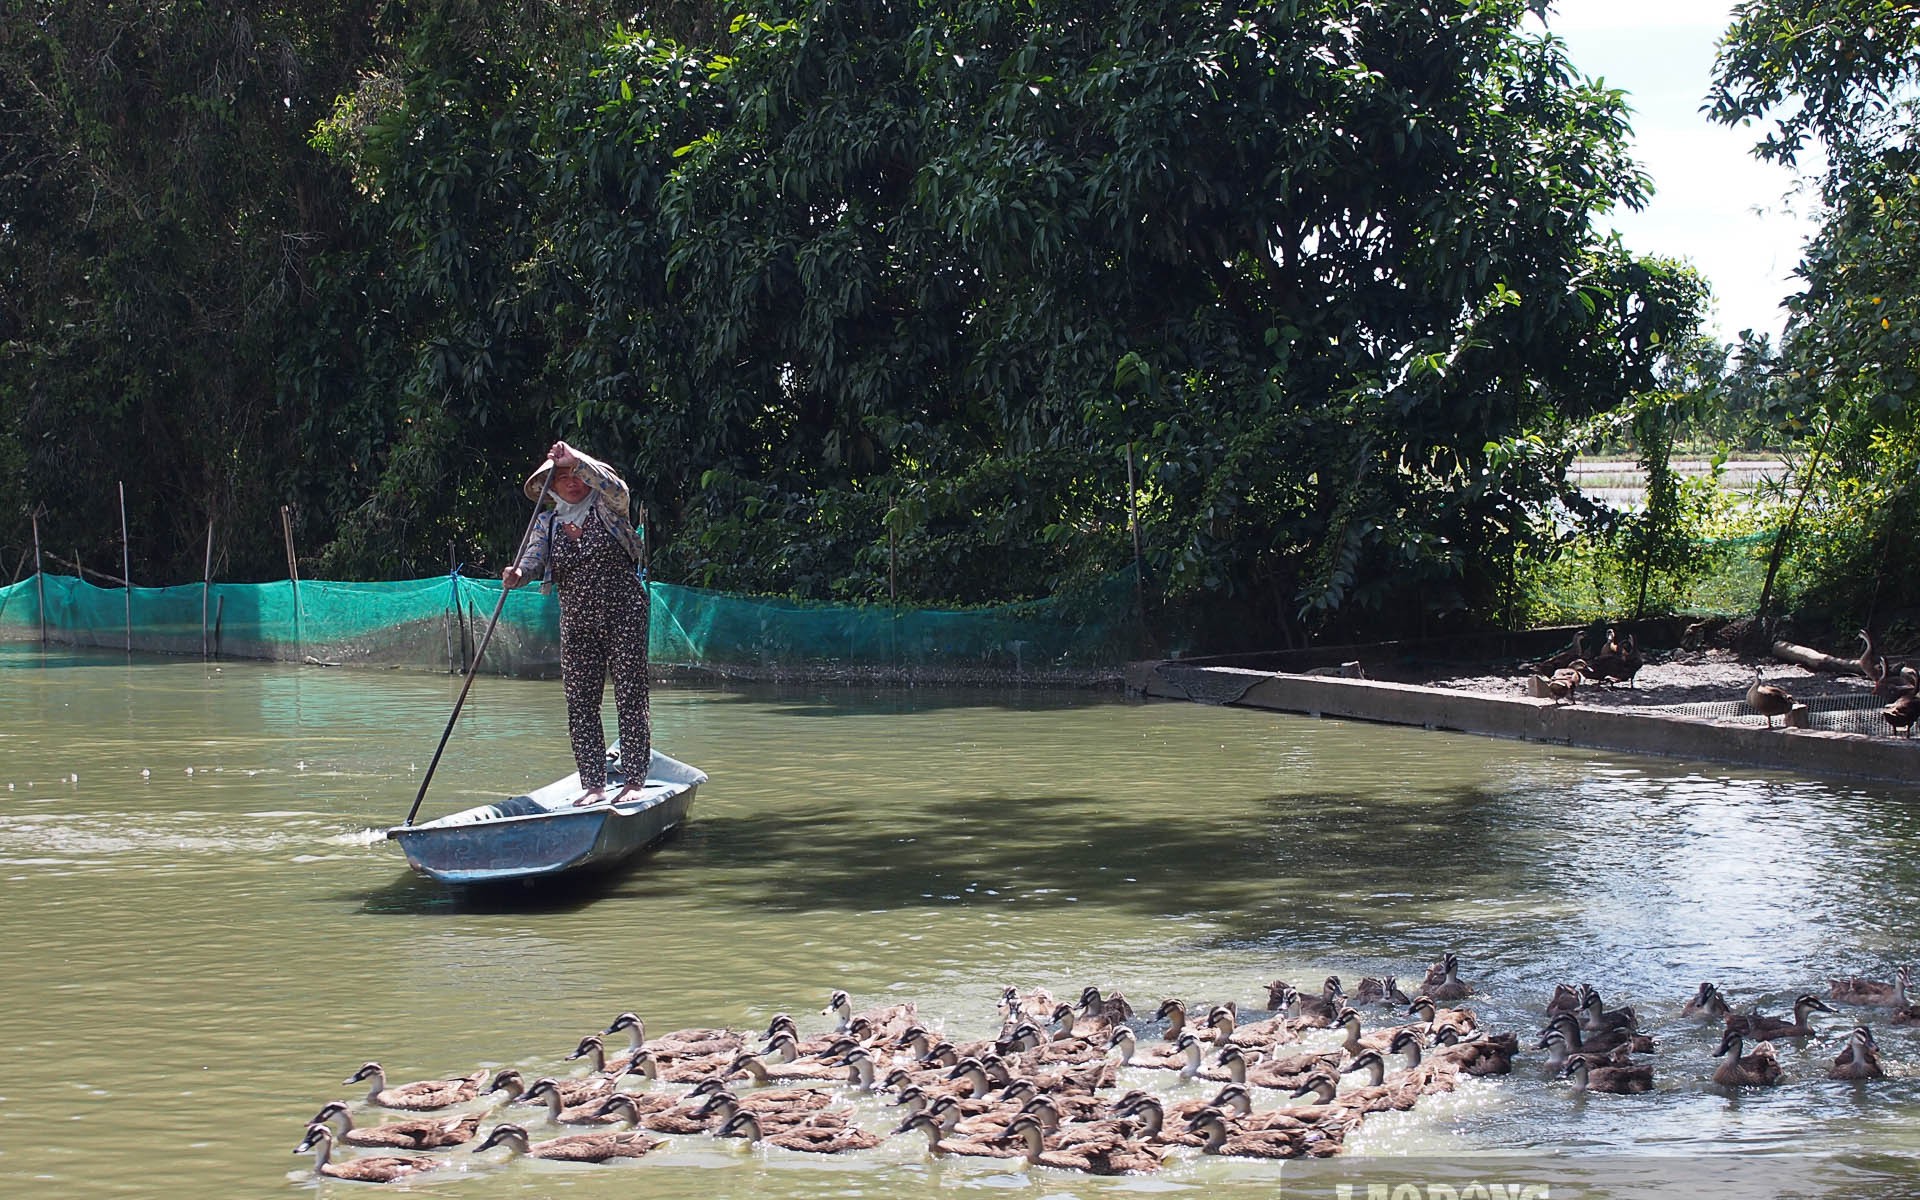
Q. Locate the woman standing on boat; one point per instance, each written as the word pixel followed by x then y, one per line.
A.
pixel 587 547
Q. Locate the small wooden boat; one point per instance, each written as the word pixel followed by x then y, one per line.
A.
pixel 544 834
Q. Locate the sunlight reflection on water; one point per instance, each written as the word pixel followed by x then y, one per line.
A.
pixel 249 934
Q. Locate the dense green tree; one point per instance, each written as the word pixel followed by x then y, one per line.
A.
pixel 1836 80
pixel 157 222
pixel 868 296
pixel 176 251
pixel 937 270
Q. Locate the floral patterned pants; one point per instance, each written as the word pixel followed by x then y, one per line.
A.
pixel 603 630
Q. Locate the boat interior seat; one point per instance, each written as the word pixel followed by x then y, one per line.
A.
pixel 519 806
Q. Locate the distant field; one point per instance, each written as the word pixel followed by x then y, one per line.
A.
pixel 1623 485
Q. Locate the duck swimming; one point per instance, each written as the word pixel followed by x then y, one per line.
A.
pixel 1462 1019
pixel 430 1134
pixel 721 1106
pixel 679 1043
pixel 1628 1080
pixel 888 1020
pixel 574 1147
pixel 1126 1045
pixel 1449 986
pixel 1595 1017
pixel 1319 1011
pixel 1479 1053
pixel 1759 1069
pixel 1210 1125
pixel 1559 1051
pixel 1765 1029
pixel 1385 990
pixel 1104 1156
pixel 1272 1071
pixel 1860 1059
pixel 941 1143
pixel 1707 1002
pixel 373 1169
pixel 803 1138
pixel 1872 993
pixel 422 1095
pixel 662 1114
pixel 572 1091
pixel 589 1111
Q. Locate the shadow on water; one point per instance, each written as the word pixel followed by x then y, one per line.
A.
pixel 1306 863
pixel 22 655
pixel 851 699
pixel 411 895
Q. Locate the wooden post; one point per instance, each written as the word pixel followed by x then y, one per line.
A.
pixel 39 577
pixel 293 577
pixel 206 588
pixel 1133 521
pixel 453 588
pixel 219 615
pixel 126 563
pixel 893 590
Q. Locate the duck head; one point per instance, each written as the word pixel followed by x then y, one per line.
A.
pixel 508 1134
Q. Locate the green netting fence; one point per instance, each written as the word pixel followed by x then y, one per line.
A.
pixel 435 624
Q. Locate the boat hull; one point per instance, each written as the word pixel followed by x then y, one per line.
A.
pixel 542 834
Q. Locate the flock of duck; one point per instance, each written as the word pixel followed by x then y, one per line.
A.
pixel 1045 1089
pixel 1559 675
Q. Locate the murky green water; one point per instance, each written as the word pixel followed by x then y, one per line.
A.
pixel 205 933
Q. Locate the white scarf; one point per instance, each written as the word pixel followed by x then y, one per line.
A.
pixel 571 514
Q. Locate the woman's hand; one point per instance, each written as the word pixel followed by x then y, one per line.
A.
pixel 511 578
pixel 563 457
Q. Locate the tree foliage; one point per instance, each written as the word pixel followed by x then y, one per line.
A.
pixel 935 272
pixel 1836 80
pixel 877 298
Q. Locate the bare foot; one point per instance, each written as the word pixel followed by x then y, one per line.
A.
pixel 596 796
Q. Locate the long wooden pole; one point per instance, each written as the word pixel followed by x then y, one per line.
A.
pixel 81 571
pixel 478 654
pixel 126 563
pixel 293 577
pixel 453 607
pixel 39 578
pixel 1133 520
pixel 206 589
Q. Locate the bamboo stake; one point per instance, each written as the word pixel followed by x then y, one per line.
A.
pixel 206 588
pixel 39 578
pixel 1133 520
pixel 447 618
pixel 81 572
pixel 293 577
pixel 126 563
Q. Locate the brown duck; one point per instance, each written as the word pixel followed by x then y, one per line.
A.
pixel 381 1168
pixel 432 1133
pixel 1768 700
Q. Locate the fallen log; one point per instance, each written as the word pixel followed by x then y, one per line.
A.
pixel 1815 660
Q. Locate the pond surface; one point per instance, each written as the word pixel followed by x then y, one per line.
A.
pixel 206 932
